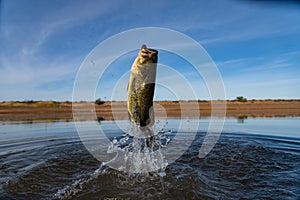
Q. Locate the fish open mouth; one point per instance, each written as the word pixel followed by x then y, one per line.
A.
pixel 148 53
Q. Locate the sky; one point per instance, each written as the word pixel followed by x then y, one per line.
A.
pixel 254 44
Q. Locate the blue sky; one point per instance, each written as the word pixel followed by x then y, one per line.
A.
pixel 255 44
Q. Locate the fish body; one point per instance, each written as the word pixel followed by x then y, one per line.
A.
pixel 141 87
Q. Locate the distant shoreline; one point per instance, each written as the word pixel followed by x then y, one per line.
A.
pixel 51 110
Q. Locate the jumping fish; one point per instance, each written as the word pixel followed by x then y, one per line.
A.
pixel 141 87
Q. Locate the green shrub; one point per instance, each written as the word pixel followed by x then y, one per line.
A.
pixel 241 99
pixel 99 101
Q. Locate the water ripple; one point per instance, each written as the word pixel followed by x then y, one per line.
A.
pixel 240 166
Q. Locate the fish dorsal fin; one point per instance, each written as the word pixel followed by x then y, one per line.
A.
pixel 143 46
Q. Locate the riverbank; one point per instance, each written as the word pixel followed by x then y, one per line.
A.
pixel 50 110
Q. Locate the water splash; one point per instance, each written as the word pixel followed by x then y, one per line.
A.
pixel 134 154
pixel 80 184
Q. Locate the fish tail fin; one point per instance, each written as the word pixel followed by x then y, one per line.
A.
pixel 150 141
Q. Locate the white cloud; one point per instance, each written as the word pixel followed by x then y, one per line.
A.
pixel 24 81
pixel 24 67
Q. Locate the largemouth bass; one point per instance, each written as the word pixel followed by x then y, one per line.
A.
pixel 141 87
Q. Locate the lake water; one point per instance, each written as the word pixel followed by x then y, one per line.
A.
pixel 254 158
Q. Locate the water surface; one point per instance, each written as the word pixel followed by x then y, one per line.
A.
pixel 255 158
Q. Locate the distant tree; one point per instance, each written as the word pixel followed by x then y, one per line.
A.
pixel 29 101
pixel 241 99
pixel 99 101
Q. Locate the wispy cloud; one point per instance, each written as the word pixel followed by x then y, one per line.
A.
pixel 15 81
pixel 42 43
pixel 47 21
pixel 252 21
pixel 260 63
pixel 27 34
pixel 262 76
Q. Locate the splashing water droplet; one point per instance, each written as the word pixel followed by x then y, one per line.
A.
pixel 135 155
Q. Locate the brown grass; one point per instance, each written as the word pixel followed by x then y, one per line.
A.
pixel 43 110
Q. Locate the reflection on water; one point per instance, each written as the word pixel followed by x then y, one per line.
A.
pixel 241 119
pixel 256 159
